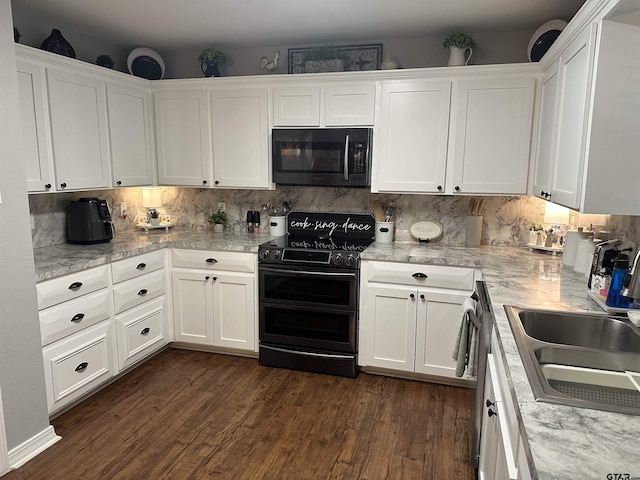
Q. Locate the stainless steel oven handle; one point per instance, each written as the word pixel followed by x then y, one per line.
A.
pixel 308 354
pixel 346 158
pixel 307 272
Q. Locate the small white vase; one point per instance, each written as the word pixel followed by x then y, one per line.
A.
pixel 154 221
pixel 389 62
pixel 218 227
pixel 457 56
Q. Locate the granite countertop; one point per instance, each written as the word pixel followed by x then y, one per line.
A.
pixel 565 442
pixel 58 260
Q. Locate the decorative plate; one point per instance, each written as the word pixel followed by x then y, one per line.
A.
pixel 425 230
pixel 543 38
pixel 146 63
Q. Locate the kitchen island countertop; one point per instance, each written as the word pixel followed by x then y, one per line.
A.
pixel 564 442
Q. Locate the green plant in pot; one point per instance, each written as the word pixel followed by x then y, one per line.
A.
pixel 458 44
pixel 324 58
pixel 209 59
pixel 219 219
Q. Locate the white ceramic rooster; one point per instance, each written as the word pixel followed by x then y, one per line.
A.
pixel 265 64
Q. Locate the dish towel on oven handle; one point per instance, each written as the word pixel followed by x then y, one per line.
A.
pixel 462 346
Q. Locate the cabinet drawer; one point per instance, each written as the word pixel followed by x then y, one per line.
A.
pixel 138 290
pixel 78 363
pixel 136 266
pixel 233 261
pixel 71 286
pixel 72 316
pixel 421 275
pixel 140 331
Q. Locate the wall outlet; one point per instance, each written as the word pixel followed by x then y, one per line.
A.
pixel 123 210
pixel 222 207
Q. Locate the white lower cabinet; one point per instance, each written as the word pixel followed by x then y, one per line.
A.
pixel 502 448
pixel 215 306
pixel 78 363
pixel 140 331
pixel 408 324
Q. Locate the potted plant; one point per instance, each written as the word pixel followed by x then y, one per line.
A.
pixel 105 61
pixel 535 233
pixel 219 219
pixel 209 59
pixel 324 58
pixel 458 43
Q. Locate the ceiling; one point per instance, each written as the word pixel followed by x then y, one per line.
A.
pixel 186 24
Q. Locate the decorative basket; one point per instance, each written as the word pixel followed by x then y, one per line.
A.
pixel 321 66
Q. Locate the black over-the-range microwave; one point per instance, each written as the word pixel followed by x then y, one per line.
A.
pixel 328 157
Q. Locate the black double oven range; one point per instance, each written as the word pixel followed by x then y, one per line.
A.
pixel 309 283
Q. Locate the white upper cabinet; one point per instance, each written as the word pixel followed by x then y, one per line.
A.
pixel 78 108
pixel 35 127
pixel 546 137
pixel 349 105
pixel 491 135
pixel 241 138
pixel 334 105
pixel 183 137
pixel 412 137
pixel 130 134
pixel 296 106
pixel 588 142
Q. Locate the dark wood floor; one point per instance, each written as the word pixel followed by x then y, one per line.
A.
pixel 193 415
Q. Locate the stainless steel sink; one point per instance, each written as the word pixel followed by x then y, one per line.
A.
pixel 593 331
pixel 582 360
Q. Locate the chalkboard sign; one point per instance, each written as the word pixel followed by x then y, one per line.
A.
pixel 332 224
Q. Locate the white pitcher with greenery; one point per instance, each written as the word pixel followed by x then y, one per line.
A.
pixel 459 43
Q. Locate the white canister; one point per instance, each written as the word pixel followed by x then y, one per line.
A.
pixel 384 232
pixel 472 230
pixel 278 226
pixel 571 246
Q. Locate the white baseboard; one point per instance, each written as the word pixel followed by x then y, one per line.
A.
pixel 24 452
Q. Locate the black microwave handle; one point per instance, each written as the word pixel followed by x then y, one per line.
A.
pixel 346 158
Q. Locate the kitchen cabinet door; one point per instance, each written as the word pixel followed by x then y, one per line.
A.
pixel 234 311
pixel 130 135
pixel 193 306
pixel 546 134
pixel 79 129
pixel 438 321
pixel 296 106
pixel 241 138
pixel 412 137
pixel 391 327
pixel 491 135
pixel 349 105
pixel 183 137
pixel 35 127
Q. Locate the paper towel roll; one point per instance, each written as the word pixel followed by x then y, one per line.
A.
pixel 584 255
pixel 571 246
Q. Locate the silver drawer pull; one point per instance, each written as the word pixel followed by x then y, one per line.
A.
pixel 419 275
pixel 142 292
pixel 75 285
pixel 82 367
pixel 77 318
pixel 145 331
pixel 141 266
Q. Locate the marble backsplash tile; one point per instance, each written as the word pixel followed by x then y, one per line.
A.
pixel 506 219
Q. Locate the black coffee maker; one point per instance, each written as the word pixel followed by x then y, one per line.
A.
pixel 89 221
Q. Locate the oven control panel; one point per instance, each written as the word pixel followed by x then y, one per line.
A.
pixel 346 260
